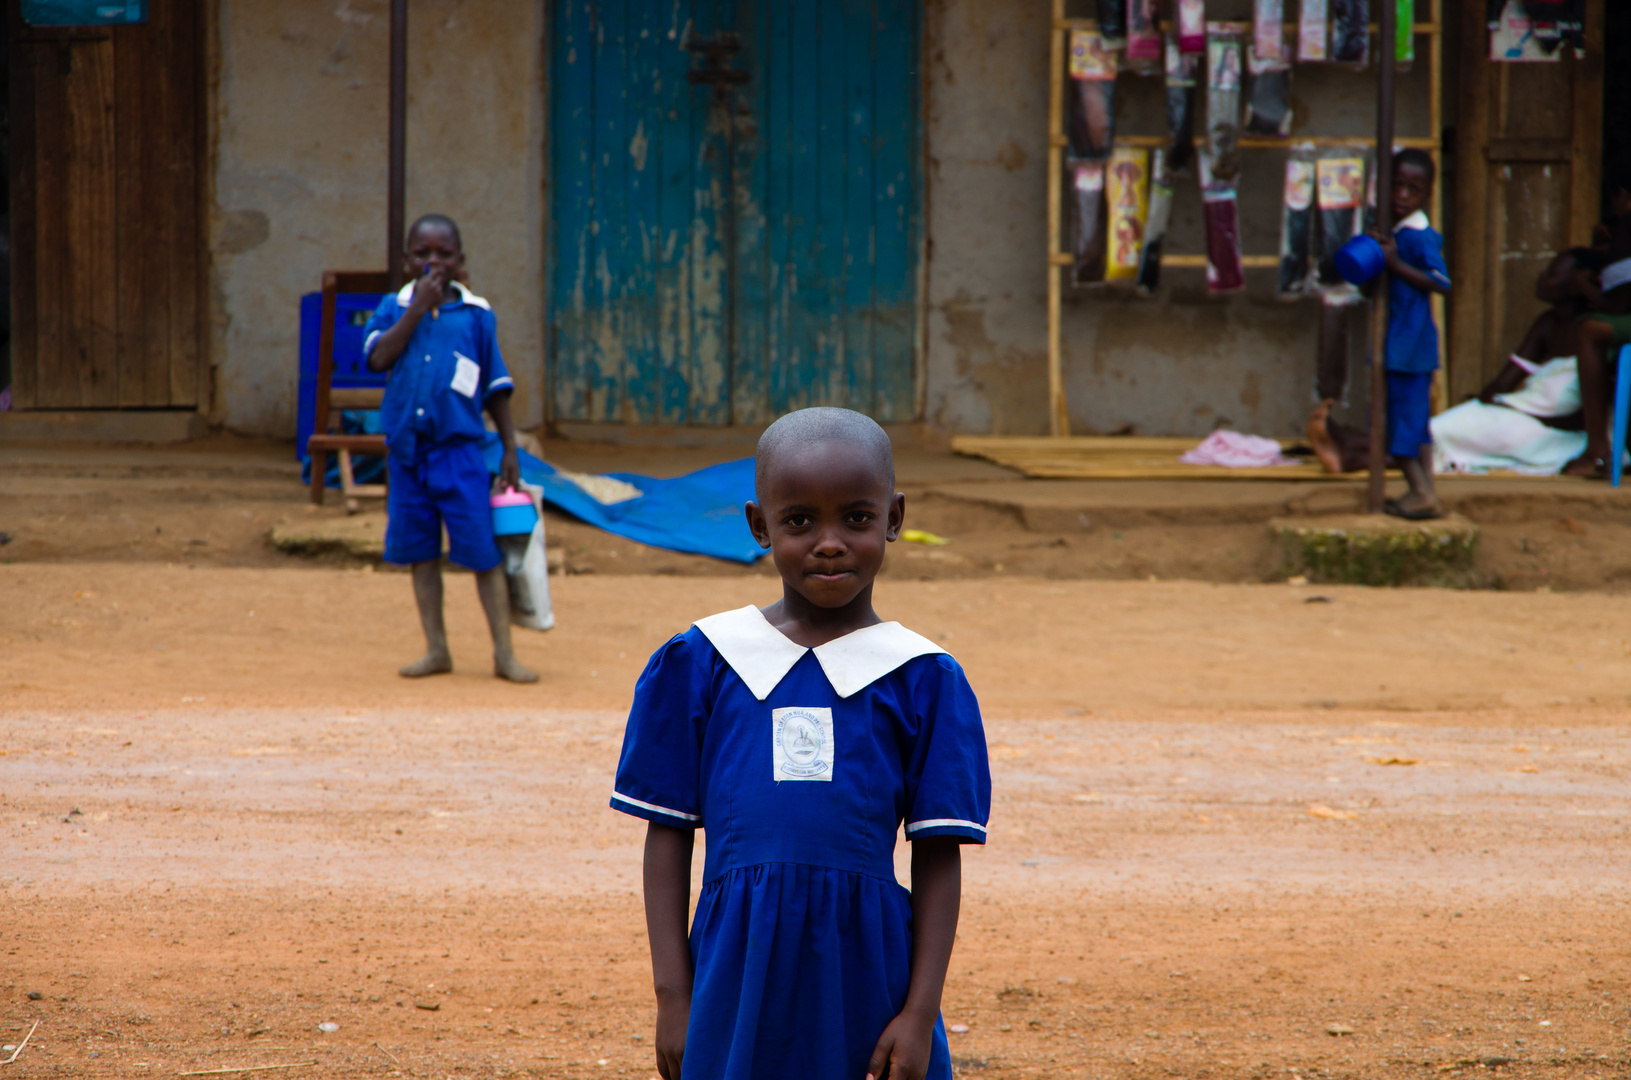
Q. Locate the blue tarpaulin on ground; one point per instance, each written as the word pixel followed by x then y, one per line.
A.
pixel 699 513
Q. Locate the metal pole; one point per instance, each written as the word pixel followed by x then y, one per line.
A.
pixel 1384 224
pixel 394 223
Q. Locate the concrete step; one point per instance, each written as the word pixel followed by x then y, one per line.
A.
pixel 1374 549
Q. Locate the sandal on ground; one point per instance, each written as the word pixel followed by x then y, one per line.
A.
pixel 1396 509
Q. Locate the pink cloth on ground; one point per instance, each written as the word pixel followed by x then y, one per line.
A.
pixel 1233 450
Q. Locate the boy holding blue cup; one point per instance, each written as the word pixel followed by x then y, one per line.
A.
pixel 1414 257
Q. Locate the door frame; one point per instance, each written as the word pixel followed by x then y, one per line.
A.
pixel 722 434
pixel 1474 320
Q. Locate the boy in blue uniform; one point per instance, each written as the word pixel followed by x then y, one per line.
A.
pixel 1416 270
pixel 800 737
pixel 444 371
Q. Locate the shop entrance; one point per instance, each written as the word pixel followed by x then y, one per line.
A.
pixel 736 209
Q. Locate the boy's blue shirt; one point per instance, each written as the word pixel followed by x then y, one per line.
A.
pixel 442 380
pixel 1412 336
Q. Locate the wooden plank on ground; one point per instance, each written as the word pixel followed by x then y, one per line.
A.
pixel 1087 457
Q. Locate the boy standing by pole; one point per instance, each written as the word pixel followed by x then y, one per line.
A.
pixel 1415 268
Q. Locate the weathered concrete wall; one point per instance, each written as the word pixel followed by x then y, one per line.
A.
pixel 299 109
pixel 1180 363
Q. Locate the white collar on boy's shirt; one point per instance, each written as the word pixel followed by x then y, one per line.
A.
pixel 762 656
pixel 405 296
pixel 1415 221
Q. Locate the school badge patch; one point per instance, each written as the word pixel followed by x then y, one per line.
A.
pixel 801 744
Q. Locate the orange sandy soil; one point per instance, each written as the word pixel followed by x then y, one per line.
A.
pixel 1229 820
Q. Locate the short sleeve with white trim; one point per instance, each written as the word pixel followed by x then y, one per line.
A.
pixel 659 774
pixel 948 777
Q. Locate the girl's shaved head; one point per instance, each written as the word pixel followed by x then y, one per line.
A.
pixel 807 427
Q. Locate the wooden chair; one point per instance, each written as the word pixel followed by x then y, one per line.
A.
pixel 326 437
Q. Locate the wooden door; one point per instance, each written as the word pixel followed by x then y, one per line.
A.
pixel 1528 178
pixel 106 180
pixel 736 213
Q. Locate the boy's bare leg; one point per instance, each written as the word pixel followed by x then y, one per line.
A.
pixel 494 591
pixel 1418 473
pixel 427 593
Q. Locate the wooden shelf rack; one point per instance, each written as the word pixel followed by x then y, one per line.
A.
pixel 1058 140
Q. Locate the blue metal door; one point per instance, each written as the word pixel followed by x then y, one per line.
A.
pixel 736 217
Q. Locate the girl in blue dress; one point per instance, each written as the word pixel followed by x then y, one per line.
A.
pixel 799 738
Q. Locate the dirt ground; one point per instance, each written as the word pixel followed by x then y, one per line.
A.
pixel 1239 830
pixel 216 502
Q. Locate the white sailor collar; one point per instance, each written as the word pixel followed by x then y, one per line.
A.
pixel 1414 222
pixel 762 656
pixel 405 296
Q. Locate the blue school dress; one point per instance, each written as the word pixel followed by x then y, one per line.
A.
pixel 800 765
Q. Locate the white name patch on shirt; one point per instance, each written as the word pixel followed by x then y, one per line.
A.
pixel 466 375
pixel 802 745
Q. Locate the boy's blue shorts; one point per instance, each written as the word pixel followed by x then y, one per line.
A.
pixel 450 483
pixel 1409 410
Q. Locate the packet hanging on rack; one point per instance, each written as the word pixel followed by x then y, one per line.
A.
pixel 1155 226
pixel 1225 272
pixel 1312 30
pixel 1268 29
pixel 1225 64
pixel 1297 223
pixel 1127 181
pixel 1087 222
pixel 1404 34
pixel 1182 75
pixel 1191 24
pixel 1143 30
pixel 1113 23
pixel 1350 31
pixel 1092 97
pixel 1339 189
pixel 1268 109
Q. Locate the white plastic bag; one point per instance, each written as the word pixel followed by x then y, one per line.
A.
pixel 526 567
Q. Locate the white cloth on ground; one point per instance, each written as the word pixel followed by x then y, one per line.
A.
pixel 1475 438
pixel 1236 451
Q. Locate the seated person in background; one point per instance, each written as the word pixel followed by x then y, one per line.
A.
pixel 1527 419
pixel 1604 329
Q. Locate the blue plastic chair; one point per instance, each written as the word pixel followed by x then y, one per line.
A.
pixel 1622 407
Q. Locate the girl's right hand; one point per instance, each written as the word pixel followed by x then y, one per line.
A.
pixel 673 1018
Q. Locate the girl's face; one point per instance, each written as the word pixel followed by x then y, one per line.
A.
pixel 828 510
pixel 434 248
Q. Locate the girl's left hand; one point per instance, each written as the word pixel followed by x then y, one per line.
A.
pixel 509 470
pixel 902 1052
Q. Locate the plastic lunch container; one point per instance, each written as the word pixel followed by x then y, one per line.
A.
pixel 1359 260
pixel 513 513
